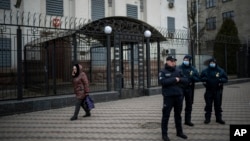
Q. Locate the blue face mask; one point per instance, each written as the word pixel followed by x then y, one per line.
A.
pixel 212 65
pixel 186 63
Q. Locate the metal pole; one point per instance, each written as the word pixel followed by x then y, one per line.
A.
pixel 148 63
pixel 132 65
pixel 197 26
pixel 19 65
pixel 158 58
pixel 74 46
pixel 25 67
pixel 54 66
pixel 247 58
pixel 108 64
pixel 192 52
pixel 191 46
pixel 46 68
pixel 225 47
pixel 197 34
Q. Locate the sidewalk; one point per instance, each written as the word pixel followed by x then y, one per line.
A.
pixel 135 119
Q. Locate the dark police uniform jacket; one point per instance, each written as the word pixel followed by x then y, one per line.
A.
pixel 213 78
pixel 191 73
pixel 167 78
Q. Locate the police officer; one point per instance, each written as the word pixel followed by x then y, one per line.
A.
pixel 213 78
pixel 193 76
pixel 171 78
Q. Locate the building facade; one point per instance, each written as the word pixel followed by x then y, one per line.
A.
pixel 211 14
pixel 169 15
pixel 39 41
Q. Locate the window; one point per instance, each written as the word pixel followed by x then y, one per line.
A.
pixel 229 14
pixel 132 11
pixel 211 23
pixel 171 24
pixel 99 56
pixel 54 7
pixel 97 9
pixel 210 3
pixel 5 4
pixel 226 0
pixel 171 27
pixel 172 52
pixel 171 1
pixel 5 52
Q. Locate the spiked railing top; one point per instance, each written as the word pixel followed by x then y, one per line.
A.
pixel 10 17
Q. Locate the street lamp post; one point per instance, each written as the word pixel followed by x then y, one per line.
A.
pixel 107 31
pixel 147 34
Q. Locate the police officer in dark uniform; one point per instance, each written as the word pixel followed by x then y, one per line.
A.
pixel 193 76
pixel 213 78
pixel 171 80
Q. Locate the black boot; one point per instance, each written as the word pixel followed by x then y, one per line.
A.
pixel 73 118
pixel 220 121
pixel 189 123
pixel 219 118
pixel 165 138
pixel 207 117
pixel 207 121
pixel 85 108
pixel 88 114
pixel 181 135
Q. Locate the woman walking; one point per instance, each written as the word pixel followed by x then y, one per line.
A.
pixel 81 90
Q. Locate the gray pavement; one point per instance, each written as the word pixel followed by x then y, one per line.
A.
pixel 135 119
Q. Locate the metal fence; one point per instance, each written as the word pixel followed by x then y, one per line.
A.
pixel 37 53
pixel 46 67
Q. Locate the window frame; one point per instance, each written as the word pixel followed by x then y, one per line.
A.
pixel 97 9
pixel 172 52
pixel 228 15
pixel 169 24
pixel 51 11
pixel 210 3
pixel 5 4
pixel 211 23
pixel 224 1
pixel 135 9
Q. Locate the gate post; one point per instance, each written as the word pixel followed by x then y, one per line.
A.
pixel 54 66
pixel 108 31
pixel 46 66
pixel 19 65
pixel 147 34
pixel 117 64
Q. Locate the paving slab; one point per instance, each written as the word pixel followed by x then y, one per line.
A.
pixel 134 119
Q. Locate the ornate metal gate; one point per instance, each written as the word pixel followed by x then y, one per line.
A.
pixel 133 39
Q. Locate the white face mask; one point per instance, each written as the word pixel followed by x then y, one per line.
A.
pixel 212 65
pixel 186 62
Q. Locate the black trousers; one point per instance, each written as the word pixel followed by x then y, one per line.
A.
pixel 213 97
pixel 189 100
pixel 80 103
pixel 170 102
